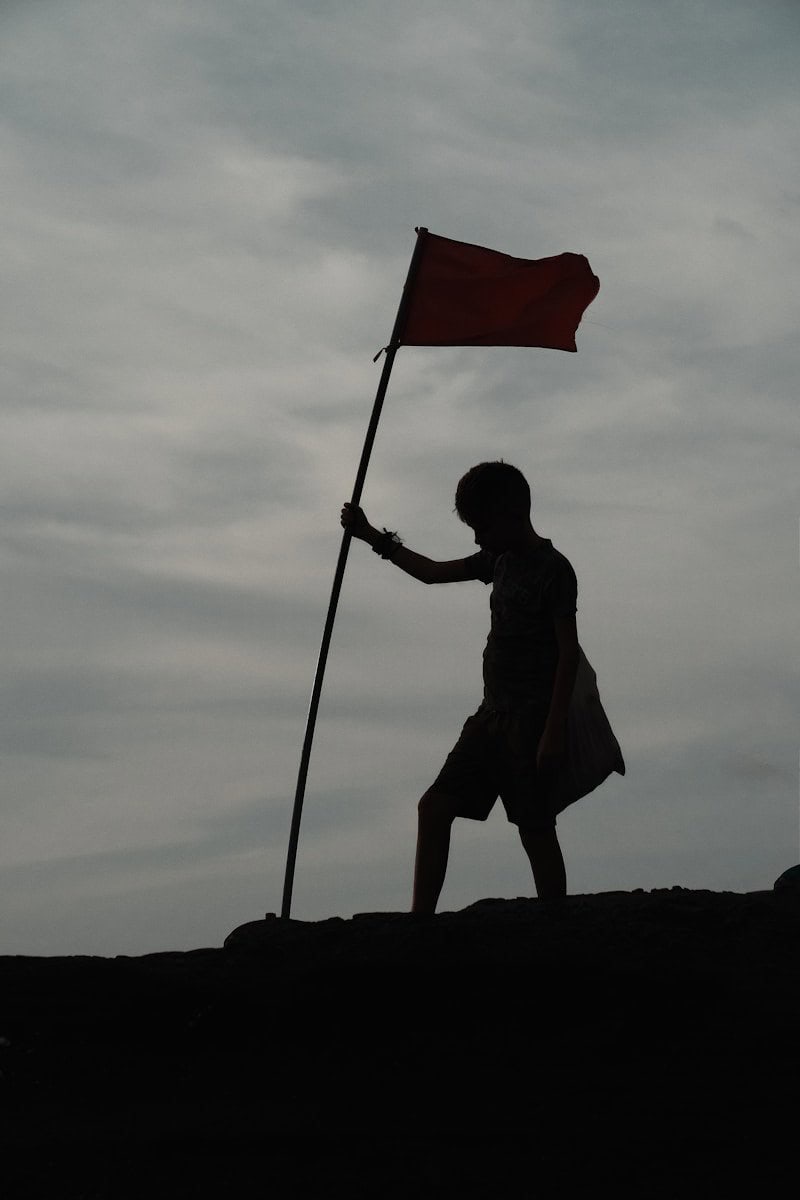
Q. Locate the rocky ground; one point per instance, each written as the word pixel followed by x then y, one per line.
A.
pixel 647 1041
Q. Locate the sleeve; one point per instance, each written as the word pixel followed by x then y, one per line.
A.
pixel 482 565
pixel 561 590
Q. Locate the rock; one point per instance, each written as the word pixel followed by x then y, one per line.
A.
pixel 789 880
pixel 642 1031
pixel 250 934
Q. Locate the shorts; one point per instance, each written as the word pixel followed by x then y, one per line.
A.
pixel 495 755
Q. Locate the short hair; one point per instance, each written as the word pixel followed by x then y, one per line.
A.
pixel 490 488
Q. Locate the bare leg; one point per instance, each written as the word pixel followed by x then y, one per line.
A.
pixel 547 863
pixel 436 814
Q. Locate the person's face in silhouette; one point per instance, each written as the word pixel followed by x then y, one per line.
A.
pixel 500 531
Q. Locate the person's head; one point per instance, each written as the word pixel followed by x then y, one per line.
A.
pixel 494 499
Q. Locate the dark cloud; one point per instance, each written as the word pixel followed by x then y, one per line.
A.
pixel 209 214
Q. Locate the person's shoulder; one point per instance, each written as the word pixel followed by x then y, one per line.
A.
pixel 562 560
pixel 559 559
pixel 561 586
pixel 482 563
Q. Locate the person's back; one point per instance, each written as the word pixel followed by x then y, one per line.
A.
pixel 512 745
pixel 522 652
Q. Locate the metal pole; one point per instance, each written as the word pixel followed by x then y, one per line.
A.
pixel 316 691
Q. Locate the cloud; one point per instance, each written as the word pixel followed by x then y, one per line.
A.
pixel 209 215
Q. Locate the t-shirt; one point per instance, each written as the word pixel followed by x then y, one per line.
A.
pixel 521 655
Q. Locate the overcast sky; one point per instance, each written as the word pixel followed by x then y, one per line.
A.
pixel 208 213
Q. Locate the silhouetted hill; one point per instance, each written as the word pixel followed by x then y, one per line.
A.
pixel 648 1040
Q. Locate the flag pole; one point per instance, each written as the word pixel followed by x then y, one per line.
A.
pixel 316 691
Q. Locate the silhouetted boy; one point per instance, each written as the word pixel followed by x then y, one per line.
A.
pixel 513 744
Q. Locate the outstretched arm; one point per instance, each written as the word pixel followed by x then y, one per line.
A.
pixel 426 570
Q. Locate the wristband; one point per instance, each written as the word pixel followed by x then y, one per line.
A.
pixel 387 544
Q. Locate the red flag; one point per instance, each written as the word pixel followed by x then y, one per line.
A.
pixel 465 295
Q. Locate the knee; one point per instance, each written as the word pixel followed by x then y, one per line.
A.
pixel 436 808
pixel 544 832
pixel 539 840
